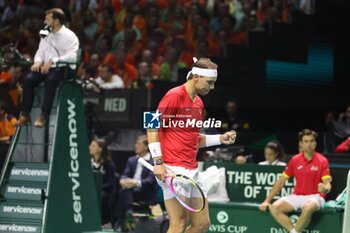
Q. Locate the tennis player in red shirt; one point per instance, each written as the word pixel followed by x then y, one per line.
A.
pixel 313 182
pixel 174 147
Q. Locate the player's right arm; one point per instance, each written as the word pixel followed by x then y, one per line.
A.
pixel 154 147
pixel 275 189
pixel 167 106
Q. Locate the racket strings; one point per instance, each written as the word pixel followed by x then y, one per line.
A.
pixel 189 193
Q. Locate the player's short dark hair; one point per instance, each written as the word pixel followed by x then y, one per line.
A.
pixel 57 13
pixel 307 132
pixel 205 63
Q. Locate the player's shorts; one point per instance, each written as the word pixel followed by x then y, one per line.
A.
pixel 298 201
pixel 191 173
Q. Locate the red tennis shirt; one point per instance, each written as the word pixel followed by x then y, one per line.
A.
pixel 179 133
pixel 308 174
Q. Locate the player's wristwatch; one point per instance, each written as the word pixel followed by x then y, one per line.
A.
pixel 159 161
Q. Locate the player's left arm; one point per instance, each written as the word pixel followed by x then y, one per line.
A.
pixel 325 186
pixel 217 139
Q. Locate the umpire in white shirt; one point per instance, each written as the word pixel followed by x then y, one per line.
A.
pixel 58 44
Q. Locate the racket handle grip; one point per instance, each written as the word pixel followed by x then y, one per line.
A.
pixel 146 164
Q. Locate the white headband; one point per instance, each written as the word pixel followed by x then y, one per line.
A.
pixel 202 72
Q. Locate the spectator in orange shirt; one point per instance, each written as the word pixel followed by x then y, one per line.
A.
pixel 7 128
pixel 130 7
pixel 132 45
pixel 110 56
pixel 126 71
pixel 139 21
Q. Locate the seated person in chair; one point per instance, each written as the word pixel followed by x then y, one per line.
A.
pixel 57 44
pixel 274 154
pixel 137 183
pixel 100 161
pixel 313 182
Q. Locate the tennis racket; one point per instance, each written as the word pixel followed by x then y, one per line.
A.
pixel 185 190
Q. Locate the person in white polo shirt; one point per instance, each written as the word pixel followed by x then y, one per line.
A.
pixel 57 44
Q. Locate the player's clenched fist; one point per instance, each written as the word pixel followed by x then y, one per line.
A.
pixel 322 188
pixel 228 137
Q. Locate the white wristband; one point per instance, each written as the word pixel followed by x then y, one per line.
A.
pixel 154 149
pixel 212 140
